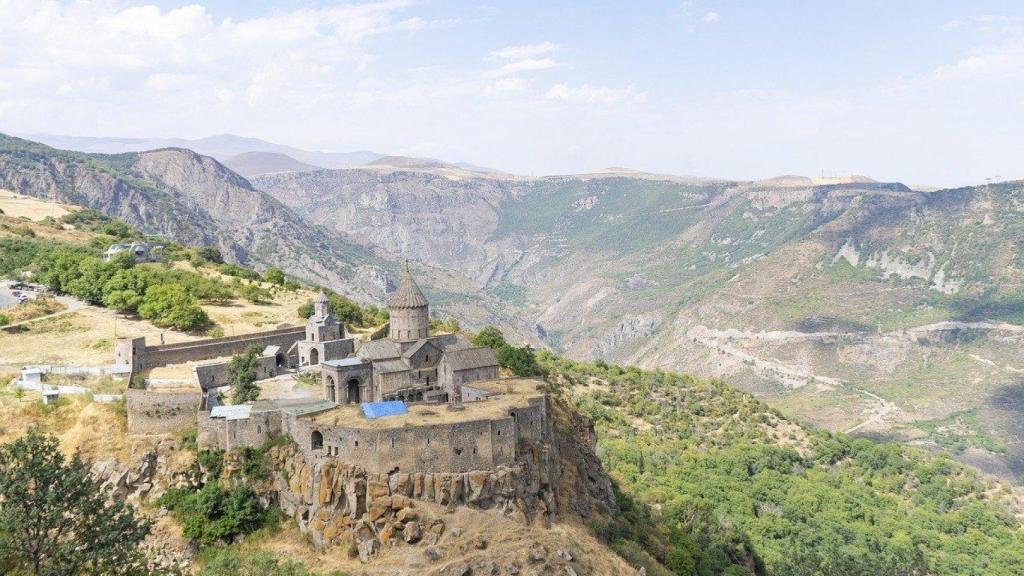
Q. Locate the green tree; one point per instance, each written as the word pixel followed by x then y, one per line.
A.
pixel 55 519
pixel 490 337
pixel 274 276
pixel 210 254
pixel 253 293
pixel 123 301
pixel 242 375
pixel 4 320
pixel 522 361
pixel 170 305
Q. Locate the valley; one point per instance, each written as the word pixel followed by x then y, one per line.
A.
pixel 882 297
pixel 706 476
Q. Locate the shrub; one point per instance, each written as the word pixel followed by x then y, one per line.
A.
pixel 210 254
pixel 4 320
pixel 237 271
pixel 253 293
pixel 212 513
pixel 230 562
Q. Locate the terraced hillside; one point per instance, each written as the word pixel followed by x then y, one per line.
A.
pixel 854 304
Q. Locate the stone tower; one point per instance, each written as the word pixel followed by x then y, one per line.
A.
pixel 409 310
pixel 322 325
pixel 320 305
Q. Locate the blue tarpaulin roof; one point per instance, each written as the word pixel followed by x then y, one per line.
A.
pixel 382 409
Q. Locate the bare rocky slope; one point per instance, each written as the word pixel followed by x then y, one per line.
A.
pixel 249 164
pixel 858 305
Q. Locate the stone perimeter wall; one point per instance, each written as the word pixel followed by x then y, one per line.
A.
pixel 218 347
pixel 152 412
pixel 456 447
pixel 215 375
pixel 330 498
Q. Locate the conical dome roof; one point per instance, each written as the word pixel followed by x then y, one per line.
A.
pixel 408 294
pixel 321 298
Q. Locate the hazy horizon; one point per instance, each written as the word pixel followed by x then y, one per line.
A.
pixel 927 93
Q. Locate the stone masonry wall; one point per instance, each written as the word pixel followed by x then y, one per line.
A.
pixel 152 412
pixel 218 347
pixel 455 447
pixel 214 375
pixel 257 430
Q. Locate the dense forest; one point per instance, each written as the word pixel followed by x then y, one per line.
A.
pixel 712 481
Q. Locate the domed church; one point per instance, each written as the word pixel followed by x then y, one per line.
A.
pixel 408 365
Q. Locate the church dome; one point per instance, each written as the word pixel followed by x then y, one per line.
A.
pixel 408 294
pixel 321 298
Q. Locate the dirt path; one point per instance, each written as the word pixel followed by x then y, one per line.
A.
pixel 791 376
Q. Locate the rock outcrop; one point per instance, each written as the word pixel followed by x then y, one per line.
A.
pixel 340 502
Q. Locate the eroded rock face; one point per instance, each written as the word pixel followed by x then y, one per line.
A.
pixel 330 499
pixel 147 475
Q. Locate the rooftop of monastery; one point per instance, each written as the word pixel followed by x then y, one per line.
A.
pixel 508 394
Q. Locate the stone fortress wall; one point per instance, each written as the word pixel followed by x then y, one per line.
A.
pixel 214 375
pixel 485 444
pixel 135 352
pixel 258 430
pixel 153 412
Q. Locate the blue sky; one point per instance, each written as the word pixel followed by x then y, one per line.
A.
pixel 921 92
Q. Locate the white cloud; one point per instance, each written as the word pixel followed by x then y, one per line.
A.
pixel 588 94
pixel 508 85
pixel 525 51
pixel 711 17
pixel 526 65
pixel 999 62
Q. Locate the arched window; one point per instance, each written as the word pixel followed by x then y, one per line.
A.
pixel 317 441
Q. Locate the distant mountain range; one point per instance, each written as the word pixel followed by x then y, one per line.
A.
pixel 222 147
pixel 858 305
pixel 251 164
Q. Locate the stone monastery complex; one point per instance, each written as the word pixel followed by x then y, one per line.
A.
pixel 425 417
pixel 453 412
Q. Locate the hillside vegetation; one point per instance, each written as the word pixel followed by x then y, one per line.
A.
pixel 713 481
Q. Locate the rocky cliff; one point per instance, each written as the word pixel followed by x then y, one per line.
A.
pixel 335 502
pixel 194 200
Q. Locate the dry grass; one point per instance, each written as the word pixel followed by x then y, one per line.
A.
pixel 80 338
pixel 18 206
pixel 85 337
pixel 33 309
